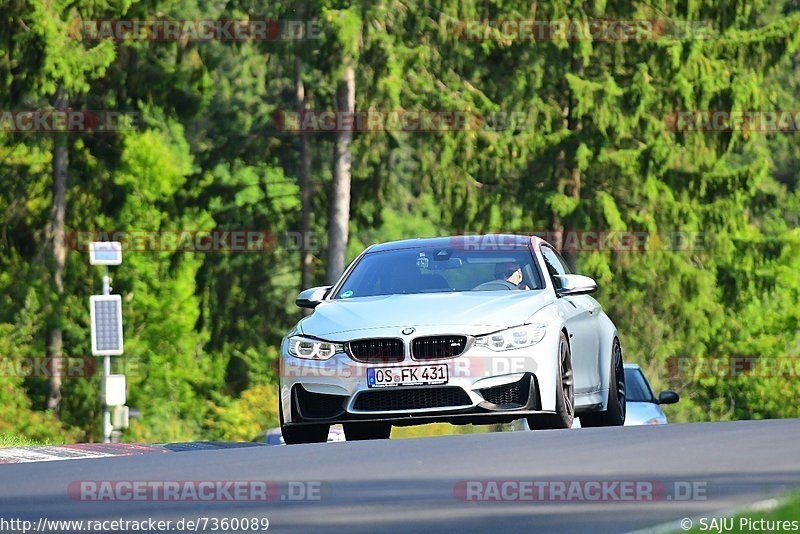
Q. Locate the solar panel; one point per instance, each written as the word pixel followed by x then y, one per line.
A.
pixel 106 313
pixel 105 253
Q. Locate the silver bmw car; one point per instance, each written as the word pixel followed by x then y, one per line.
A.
pixel 467 330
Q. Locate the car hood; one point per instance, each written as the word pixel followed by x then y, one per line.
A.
pixel 638 413
pixel 475 312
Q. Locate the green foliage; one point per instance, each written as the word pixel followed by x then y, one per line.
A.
pixel 241 419
pixel 20 424
pixel 594 153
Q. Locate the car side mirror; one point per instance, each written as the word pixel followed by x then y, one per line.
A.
pixel 668 397
pixel 310 298
pixel 575 284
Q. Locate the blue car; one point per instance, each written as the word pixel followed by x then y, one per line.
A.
pixel 642 406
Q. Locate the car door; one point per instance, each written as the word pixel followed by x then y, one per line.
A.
pixel 581 314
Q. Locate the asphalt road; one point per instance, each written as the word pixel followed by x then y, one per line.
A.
pixel 416 484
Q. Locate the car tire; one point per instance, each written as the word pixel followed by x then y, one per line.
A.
pixel 565 394
pixel 614 414
pixel 363 431
pixel 299 434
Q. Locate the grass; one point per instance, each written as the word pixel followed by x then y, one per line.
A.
pixel 12 440
pixel 751 521
pixel 437 429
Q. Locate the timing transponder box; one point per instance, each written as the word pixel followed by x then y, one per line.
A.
pixel 113 389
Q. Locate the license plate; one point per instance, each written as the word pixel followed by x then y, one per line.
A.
pixel 420 375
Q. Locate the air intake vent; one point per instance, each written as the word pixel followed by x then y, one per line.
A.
pixel 400 399
pixel 377 350
pixel 508 395
pixel 312 406
pixel 438 347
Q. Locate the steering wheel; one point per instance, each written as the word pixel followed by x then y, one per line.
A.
pixel 494 285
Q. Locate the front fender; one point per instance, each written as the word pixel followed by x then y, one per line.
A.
pixel 608 332
pixel 548 374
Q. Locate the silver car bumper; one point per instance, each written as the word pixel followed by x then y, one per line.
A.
pixel 520 382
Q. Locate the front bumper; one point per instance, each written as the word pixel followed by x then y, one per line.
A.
pixel 419 404
pixel 483 387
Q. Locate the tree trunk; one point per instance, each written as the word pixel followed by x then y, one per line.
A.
pixel 56 341
pixel 560 172
pixel 340 192
pixel 573 187
pixel 305 177
pixel 569 180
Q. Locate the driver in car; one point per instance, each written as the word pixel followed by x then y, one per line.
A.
pixel 510 272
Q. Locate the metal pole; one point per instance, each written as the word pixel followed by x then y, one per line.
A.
pixel 106 369
pixel 106 412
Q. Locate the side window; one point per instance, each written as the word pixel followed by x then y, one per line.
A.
pixel 555 265
pixel 564 264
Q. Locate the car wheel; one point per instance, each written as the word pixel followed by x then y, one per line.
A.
pixel 362 431
pixel 565 394
pixel 614 415
pixel 297 434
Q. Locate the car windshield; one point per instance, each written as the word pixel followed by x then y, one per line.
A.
pixel 637 388
pixel 440 270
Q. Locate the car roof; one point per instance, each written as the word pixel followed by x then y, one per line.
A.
pixel 631 366
pixel 449 241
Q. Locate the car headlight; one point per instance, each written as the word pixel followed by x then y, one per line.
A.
pixel 313 349
pixel 513 338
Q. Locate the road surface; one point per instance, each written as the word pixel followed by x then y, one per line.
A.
pixel 427 484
